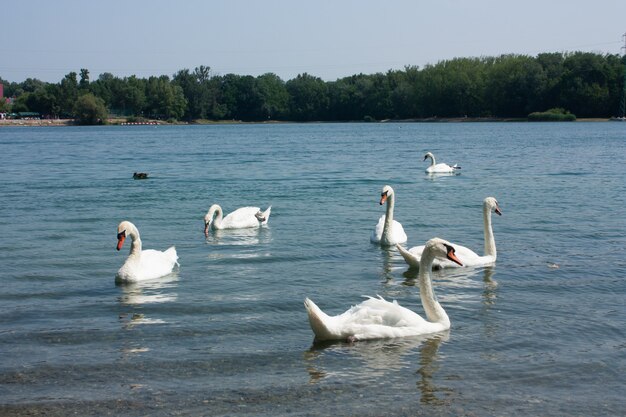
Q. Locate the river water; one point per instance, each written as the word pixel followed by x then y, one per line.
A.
pixel 541 333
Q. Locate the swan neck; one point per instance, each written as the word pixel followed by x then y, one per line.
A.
pixel 432 160
pixel 135 243
pixel 490 243
pixel 388 218
pixel 216 217
pixel 434 311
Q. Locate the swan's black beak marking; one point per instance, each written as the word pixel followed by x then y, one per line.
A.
pixel 451 254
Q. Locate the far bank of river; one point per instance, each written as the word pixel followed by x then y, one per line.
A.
pixel 115 122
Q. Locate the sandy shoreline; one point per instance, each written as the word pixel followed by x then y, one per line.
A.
pixel 35 122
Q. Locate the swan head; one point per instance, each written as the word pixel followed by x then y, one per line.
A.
pixel 385 194
pixel 429 155
pixel 492 204
pixel 124 229
pixel 208 218
pixel 440 248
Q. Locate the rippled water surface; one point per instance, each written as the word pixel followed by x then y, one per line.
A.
pixel 541 333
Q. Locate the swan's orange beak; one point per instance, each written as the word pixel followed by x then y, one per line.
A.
pixel 497 210
pixel 206 230
pixel 121 237
pixel 452 256
pixel 383 198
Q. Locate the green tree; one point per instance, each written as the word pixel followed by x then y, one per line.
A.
pixel 240 98
pixel 274 96
pixel 403 85
pixel 585 85
pixel 552 64
pixel 164 100
pixel 102 87
pixel 131 95
pixel 44 101
pixel 198 90
pixel 68 93
pixel 308 98
pixel 90 110
pixel 30 85
pixel 345 101
pixel 20 104
pixel 514 86
pixel 84 79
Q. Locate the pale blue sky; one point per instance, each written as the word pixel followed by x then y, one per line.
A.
pixel 46 39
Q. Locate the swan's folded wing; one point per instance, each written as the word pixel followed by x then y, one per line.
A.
pixel 377 233
pixel 241 218
pixel 155 264
pixel 410 258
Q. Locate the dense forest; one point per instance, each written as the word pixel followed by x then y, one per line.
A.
pixel 510 86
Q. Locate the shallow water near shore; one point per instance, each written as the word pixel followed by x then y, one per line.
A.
pixel 541 333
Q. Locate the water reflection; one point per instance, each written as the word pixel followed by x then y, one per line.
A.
pixel 429 365
pixel 434 176
pixel 249 236
pixel 158 290
pixel 458 278
pixel 489 297
pixel 390 256
pixel 380 358
pixel 133 297
pixel 490 286
pixel 247 242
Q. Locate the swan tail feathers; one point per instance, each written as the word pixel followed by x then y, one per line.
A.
pixel 456 166
pixel 317 320
pixel 171 254
pixel 409 258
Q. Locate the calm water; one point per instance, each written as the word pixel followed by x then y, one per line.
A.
pixel 542 333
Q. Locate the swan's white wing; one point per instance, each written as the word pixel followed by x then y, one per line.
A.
pixel 241 218
pixel 397 234
pixel 374 318
pixel 440 168
pixel 412 259
pixel 467 256
pixel 150 264
pixel 155 264
pixel 377 233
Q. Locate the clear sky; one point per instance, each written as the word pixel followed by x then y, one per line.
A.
pixel 47 39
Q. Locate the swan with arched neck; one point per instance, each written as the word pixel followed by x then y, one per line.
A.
pixel 388 231
pixel 142 264
pixel 440 168
pixel 242 218
pixel 467 256
pixel 376 318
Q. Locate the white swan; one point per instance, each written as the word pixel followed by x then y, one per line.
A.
pixel 241 218
pixel 440 168
pixel 388 231
pixel 467 256
pixel 142 264
pixel 376 318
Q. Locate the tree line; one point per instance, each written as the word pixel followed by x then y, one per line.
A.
pixel 583 83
